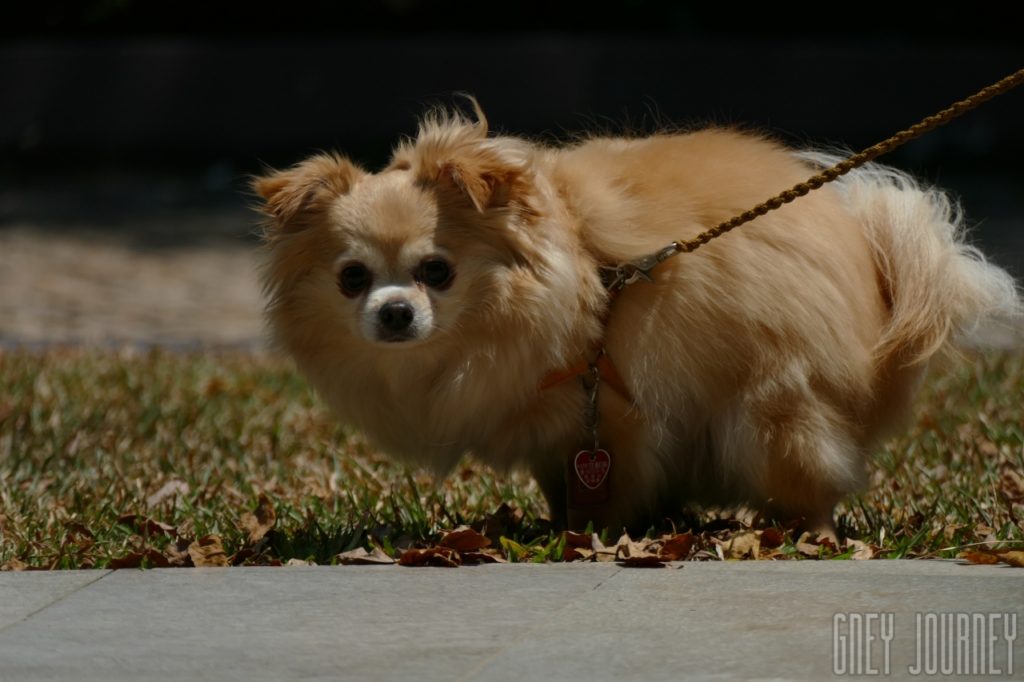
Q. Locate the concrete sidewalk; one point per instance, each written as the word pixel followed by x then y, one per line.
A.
pixel 750 620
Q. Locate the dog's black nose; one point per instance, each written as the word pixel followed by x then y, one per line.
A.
pixel 395 316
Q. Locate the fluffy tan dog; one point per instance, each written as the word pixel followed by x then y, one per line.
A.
pixel 431 303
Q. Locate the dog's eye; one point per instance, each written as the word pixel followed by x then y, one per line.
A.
pixel 436 273
pixel 354 279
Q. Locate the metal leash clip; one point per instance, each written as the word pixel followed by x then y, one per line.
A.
pixel 617 277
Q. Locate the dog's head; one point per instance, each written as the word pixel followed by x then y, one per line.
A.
pixel 436 241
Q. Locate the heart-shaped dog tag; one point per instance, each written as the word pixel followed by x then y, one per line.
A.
pixel 592 467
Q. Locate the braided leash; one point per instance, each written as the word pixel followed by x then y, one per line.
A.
pixel 626 273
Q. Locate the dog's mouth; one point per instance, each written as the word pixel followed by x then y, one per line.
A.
pixel 391 337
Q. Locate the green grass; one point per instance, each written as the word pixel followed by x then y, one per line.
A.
pixel 86 437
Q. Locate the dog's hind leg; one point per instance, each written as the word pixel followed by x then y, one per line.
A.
pixel 787 450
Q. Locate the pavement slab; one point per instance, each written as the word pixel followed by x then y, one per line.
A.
pixel 708 621
pixel 23 593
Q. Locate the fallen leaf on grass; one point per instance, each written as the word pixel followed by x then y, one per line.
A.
pixel 601 552
pixel 146 525
pixel 432 556
pixel 577 546
pixel 208 551
pixel 676 547
pixel 170 489
pixel 150 556
pixel 1011 557
pixel 643 561
pixel 503 522
pixel 743 545
pixel 1014 558
pixel 633 554
pixel 949 531
pixel 258 522
pixel 772 538
pixel 976 556
pixel 75 528
pixel 14 564
pixel 861 550
pixel 177 553
pixel 811 544
pixel 578 554
pixel 487 557
pixel 984 532
pixel 1011 484
pixel 464 539
pixel 360 557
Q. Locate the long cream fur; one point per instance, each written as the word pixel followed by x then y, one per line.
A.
pixel 761 369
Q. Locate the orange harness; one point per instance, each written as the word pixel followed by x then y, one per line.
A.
pixel 606 370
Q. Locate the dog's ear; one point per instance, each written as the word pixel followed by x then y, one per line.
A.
pixel 291 195
pixel 487 180
pixel 452 151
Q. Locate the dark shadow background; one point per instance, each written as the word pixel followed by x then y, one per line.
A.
pixel 145 117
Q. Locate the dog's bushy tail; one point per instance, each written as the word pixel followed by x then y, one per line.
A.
pixel 940 289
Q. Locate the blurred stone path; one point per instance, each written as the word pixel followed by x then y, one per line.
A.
pixel 94 289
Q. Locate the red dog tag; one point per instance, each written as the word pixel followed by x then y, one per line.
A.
pixel 589 482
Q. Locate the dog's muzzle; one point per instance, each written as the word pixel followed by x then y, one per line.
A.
pixel 394 321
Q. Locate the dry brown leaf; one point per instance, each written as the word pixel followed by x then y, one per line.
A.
pixel 242 555
pixel 258 522
pixel 806 545
pixel 578 546
pixel 485 557
pixel 626 547
pixel 1012 557
pixel 14 564
pixel 983 531
pixel 979 556
pixel 578 554
pixel 503 521
pixel 645 561
pixel 827 543
pixel 634 554
pixel 601 552
pixel 172 488
pixel 146 525
pixel 573 539
pixel 987 447
pixel 177 553
pixel 572 554
pixel 950 531
pixel 743 545
pixel 432 556
pixel 135 559
pixel 360 557
pixel 1011 483
pixel 861 550
pixel 772 538
pixel 76 528
pixel 464 539
pixel 676 547
pixel 208 551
